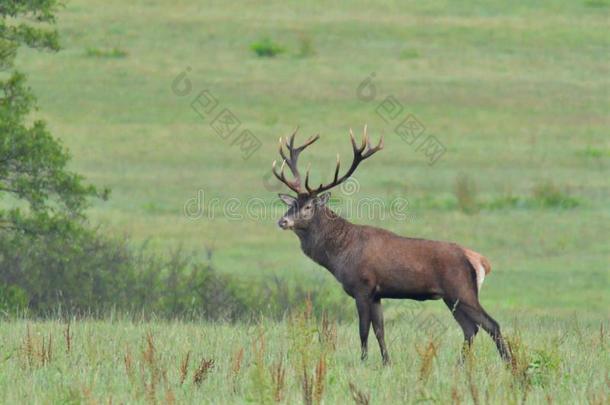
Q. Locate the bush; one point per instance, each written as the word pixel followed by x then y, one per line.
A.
pixel 266 48
pixel 87 273
pixel 549 195
pixel 306 47
pixel 13 300
pixel 465 191
pixel 111 53
pixel 409 54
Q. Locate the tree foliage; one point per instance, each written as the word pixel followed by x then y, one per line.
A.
pixel 37 192
pixel 44 239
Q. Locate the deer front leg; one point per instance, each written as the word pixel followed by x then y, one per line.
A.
pixel 377 318
pixel 364 313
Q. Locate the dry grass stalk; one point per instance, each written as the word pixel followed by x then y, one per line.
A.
pixel 50 349
pixel 46 352
pixel 308 313
pixel 278 380
pixel 128 360
pixel 205 367
pixel 184 367
pixel 150 386
pixel 360 398
pixel 328 333
pixel 307 385
pixel 34 354
pixel 153 377
pixel 28 348
pixel 236 363
pixel 170 398
pixel 472 386
pixel 519 365
pixel 164 378
pixel 149 354
pixel 427 356
pixel 88 396
pixel 456 398
pixel 238 358
pixel 42 353
pixel 68 337
pixel 320 377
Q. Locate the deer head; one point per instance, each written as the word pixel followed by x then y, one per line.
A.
pixel 310 201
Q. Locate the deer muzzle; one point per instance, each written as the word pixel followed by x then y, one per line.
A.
pixel 285 223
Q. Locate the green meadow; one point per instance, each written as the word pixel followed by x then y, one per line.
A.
pixel 298 360
pixel 518 96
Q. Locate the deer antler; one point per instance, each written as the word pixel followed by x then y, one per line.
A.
pixel 291 160
pixel 362 152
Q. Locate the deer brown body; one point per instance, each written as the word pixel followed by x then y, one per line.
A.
pixel 372 263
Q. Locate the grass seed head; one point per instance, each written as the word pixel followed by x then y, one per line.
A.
pixel 184 367
pixel 359 397
pixel 205 367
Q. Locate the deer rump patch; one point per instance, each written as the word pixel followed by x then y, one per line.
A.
pixel 481 265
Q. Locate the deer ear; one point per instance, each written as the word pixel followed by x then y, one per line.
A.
pixel 287 199
pixel 322 199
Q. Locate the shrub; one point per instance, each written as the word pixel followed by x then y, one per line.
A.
pixel 594 152
pixel 13 299
pixel 409 54
pixel 87 273
pixel 306 48
pixel 266 48
pixel 116 53
pixel 465 191
pixel 548 195
pixel 597 3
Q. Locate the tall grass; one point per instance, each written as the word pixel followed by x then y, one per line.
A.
pixel 267 361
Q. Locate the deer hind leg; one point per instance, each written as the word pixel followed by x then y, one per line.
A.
pixel 469 328
pixel 377 318
pixel 478 315
pixel 364 313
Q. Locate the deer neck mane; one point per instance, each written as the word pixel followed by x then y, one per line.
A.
pixel 327 235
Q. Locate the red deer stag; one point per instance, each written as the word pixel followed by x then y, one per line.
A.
pixel 372 263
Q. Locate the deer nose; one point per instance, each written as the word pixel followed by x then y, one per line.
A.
pixel 283 223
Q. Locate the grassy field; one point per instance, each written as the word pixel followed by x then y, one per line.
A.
pixel 125 362
pixel 518 95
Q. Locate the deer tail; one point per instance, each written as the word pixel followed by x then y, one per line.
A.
pixel 486 265
pixel 481 266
